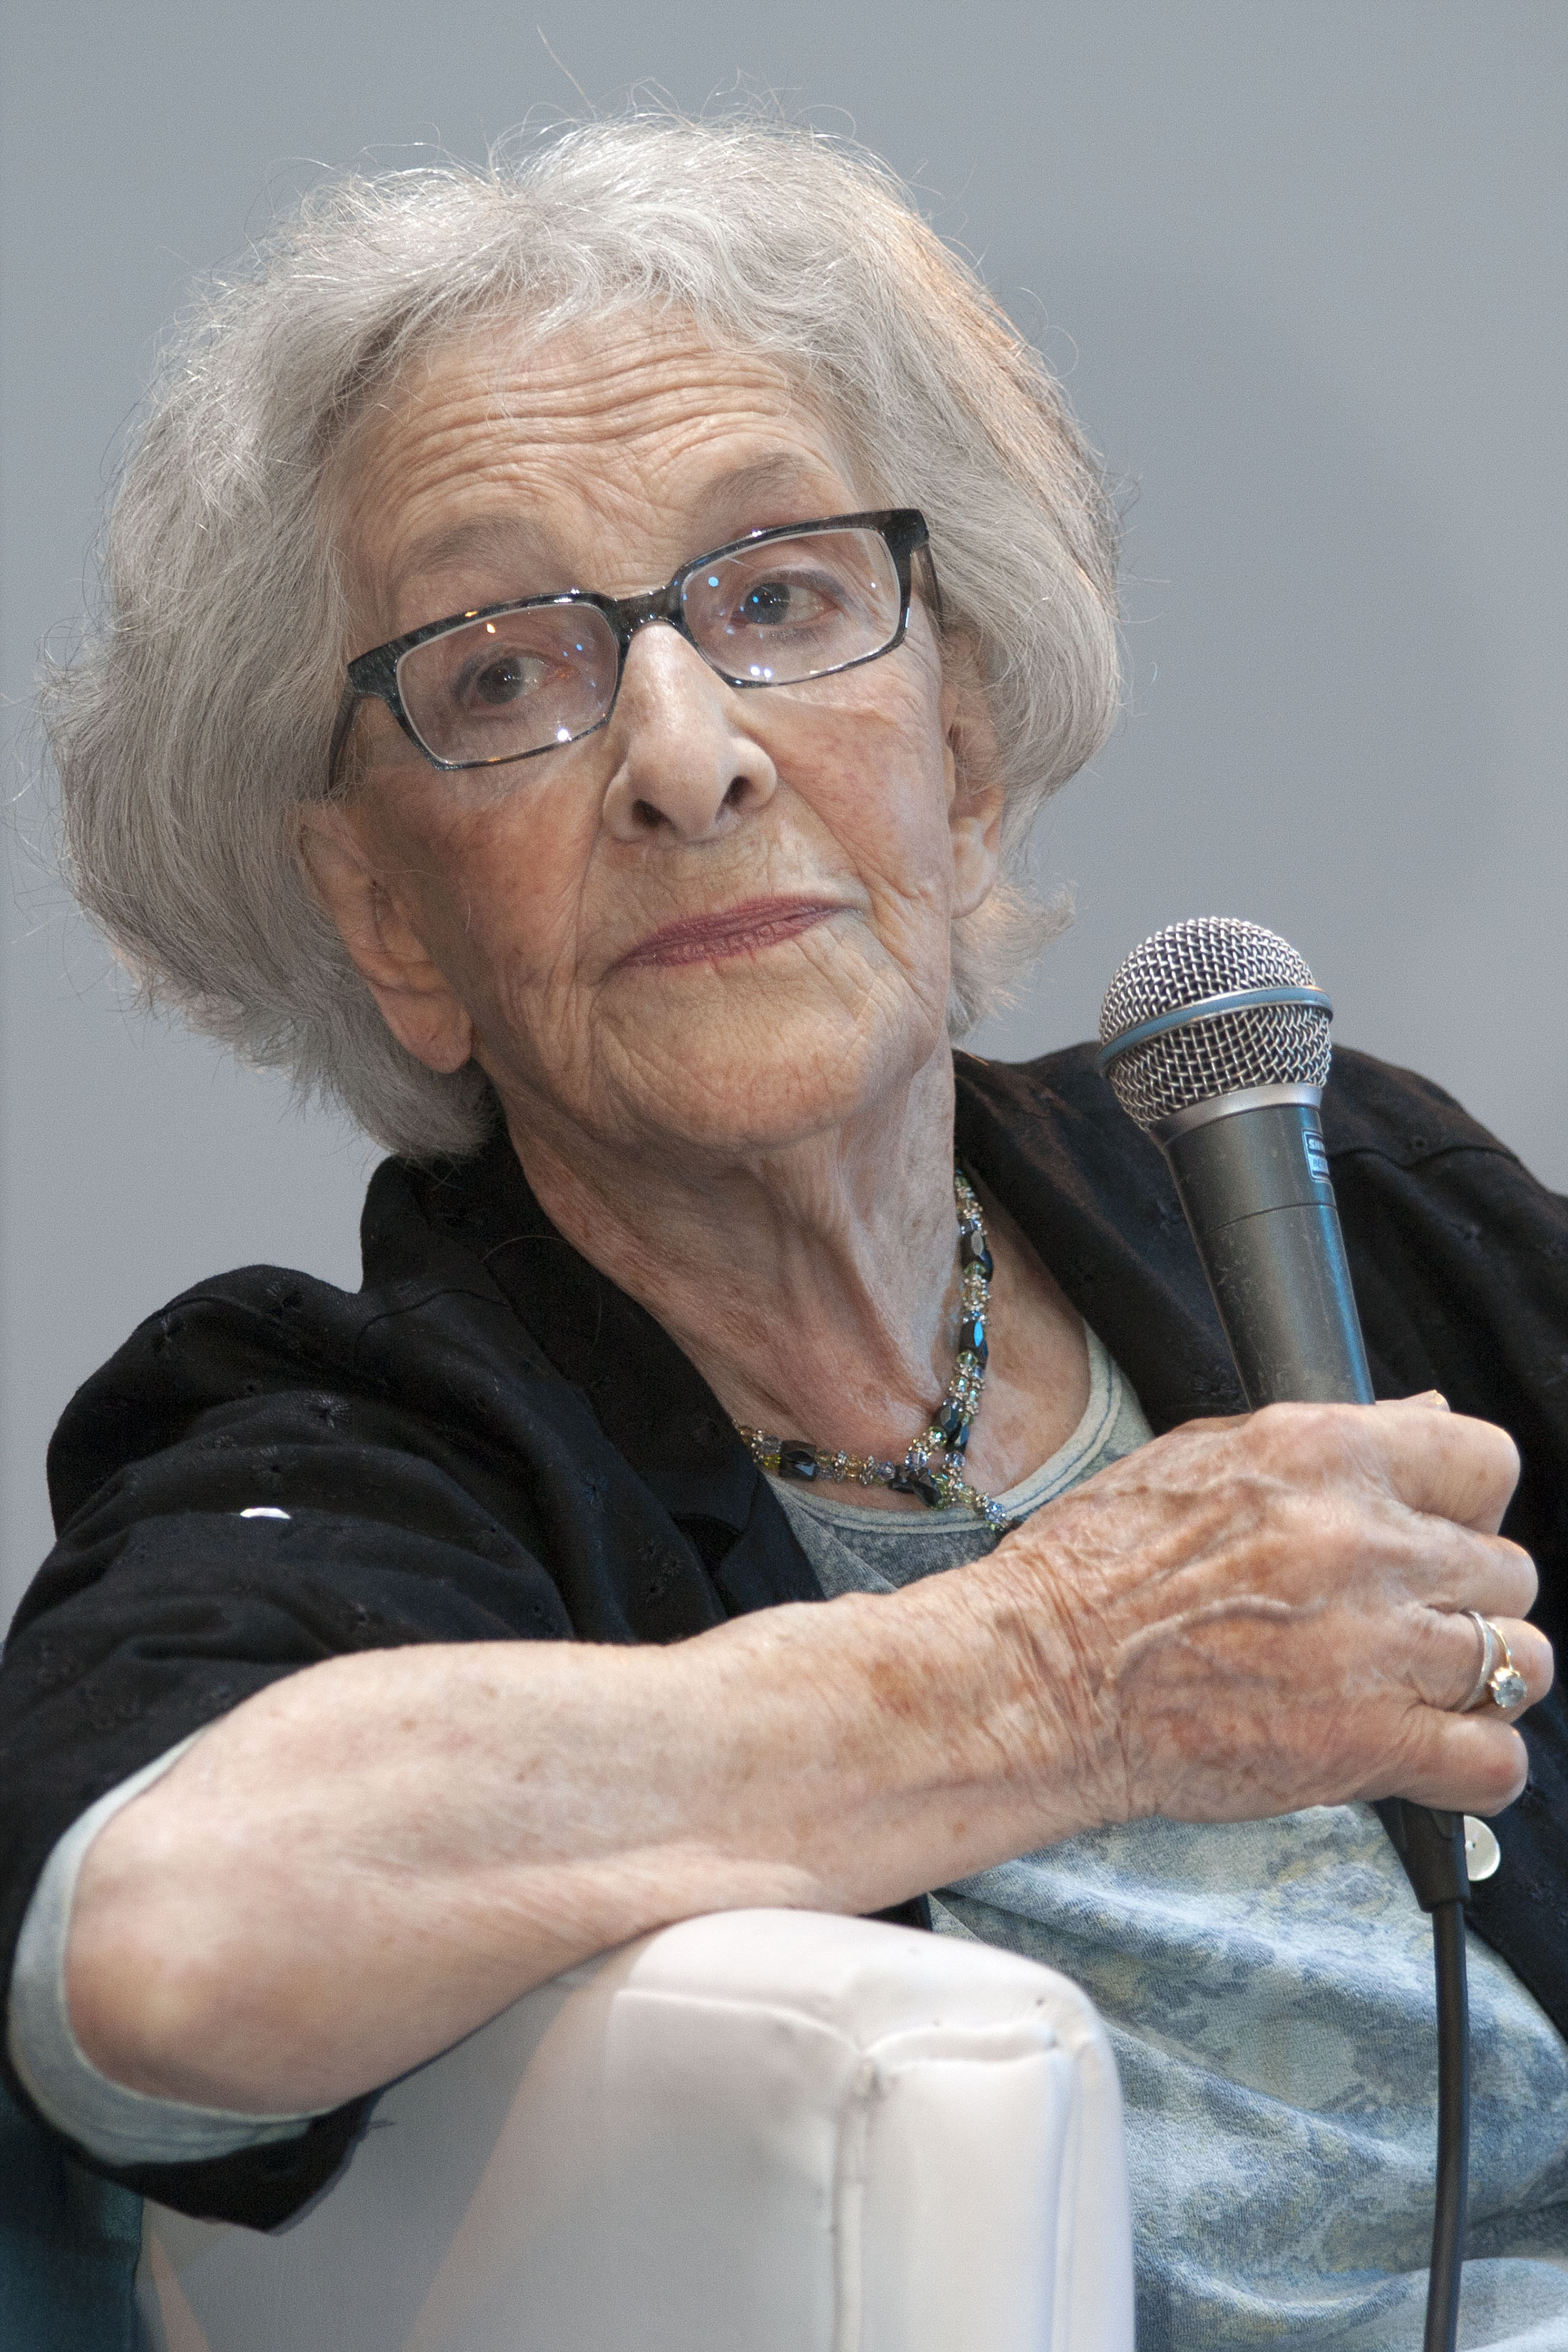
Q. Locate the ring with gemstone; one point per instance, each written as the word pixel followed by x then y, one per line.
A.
pixel 1503 1685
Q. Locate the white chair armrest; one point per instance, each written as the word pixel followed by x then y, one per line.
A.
pixel 777 2130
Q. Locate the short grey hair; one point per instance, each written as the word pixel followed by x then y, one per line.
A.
pixel 194 722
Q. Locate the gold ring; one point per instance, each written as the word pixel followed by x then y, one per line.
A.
pixel 1503 1685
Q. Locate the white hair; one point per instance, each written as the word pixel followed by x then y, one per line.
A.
pixel 195 721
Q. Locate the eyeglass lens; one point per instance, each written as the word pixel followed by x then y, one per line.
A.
pixel 774 615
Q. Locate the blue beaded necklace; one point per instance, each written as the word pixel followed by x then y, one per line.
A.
pixel 932 1466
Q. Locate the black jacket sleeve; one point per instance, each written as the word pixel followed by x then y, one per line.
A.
pixel 438 1481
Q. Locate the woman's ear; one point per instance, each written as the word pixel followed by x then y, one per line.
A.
pixel 975 795
pixel 417 1003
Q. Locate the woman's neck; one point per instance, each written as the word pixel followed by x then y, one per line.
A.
pixel 815 1286
pixel 810 1284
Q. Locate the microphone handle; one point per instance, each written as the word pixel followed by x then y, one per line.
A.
pixel 1252 1173
pixel 1253 1178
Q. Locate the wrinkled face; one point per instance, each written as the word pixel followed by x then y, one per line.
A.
pixel 721 923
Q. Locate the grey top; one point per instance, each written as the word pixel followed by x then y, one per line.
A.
pixel 1267 1989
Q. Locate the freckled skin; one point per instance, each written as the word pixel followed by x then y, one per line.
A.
pixel 363 1863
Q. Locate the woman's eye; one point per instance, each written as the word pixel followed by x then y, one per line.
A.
pixel 504 678
pixel 783 602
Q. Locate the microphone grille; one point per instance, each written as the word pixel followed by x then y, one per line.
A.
pixel 1215 1054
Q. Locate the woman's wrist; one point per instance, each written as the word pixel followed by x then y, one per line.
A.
pixel 913 1738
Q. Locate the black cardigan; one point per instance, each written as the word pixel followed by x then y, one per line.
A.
pixel 490 1442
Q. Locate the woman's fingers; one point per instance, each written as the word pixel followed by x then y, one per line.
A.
pixel 1452 1568
pixel 1445 1463
pixel 1459 1763
pixel 1455 1475
pixel 1446 1673
pixel 1472 1762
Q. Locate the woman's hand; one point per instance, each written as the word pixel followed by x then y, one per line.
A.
pixel 1266 1613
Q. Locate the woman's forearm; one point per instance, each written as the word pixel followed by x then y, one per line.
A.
pixel 369 1859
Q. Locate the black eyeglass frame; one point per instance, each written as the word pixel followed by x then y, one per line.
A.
pixel 374 675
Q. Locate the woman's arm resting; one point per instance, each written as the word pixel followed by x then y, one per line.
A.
pixel 367 1860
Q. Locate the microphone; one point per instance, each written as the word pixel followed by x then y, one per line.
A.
pixel 1215 1037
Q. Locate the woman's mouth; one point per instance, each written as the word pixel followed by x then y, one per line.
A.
pixel 745 930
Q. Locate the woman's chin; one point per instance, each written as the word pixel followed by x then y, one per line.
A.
pixel 728 1085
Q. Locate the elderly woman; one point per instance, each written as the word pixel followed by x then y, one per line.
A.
pixel 583 646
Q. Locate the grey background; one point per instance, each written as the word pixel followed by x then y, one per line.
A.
pixel 1300 266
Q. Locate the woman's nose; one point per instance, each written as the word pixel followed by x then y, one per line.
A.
pixel 682 767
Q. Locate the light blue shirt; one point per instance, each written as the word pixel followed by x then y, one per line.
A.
pixel 1267 1989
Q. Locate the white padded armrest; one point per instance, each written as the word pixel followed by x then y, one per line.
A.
pixel 764 2131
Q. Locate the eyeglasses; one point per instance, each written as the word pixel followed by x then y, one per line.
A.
pixel 775 608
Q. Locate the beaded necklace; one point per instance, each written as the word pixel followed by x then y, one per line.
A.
pixel 932 1467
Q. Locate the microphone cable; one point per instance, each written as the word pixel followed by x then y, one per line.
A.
pixel 1431 1846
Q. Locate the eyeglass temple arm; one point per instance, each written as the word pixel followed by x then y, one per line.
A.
pixel 341 724
pixel 934 584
